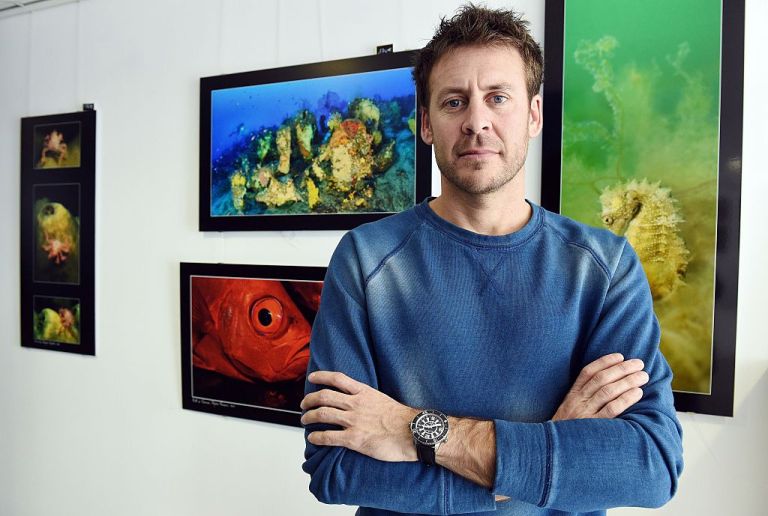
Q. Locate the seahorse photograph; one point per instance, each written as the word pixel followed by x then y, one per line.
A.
pixel 56 146
pixel 56 216
pixel 56 320
pixel 640 153
pixel 342 144
pixel 250 340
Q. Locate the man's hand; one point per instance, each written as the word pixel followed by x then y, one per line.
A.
pixel 604 389
pixel 372 423
pixel 375 425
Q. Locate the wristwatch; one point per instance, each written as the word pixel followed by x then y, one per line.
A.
pixel 430 430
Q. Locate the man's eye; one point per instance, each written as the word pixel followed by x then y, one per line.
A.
pixel 453 103
pixel 499 99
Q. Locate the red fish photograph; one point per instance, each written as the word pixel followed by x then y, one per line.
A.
pixel 245 338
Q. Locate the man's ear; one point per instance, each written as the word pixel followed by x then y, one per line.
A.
pixel 426 127
pixel 535 117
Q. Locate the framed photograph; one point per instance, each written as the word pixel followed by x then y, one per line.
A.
pixel 643 137
pixel 56 320
pixel 56 221
pixel 245 338
pixel 58 185
pixel 57 145
pixel 319 146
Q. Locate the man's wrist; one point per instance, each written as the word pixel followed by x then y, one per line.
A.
pixel 409 446
pixel 470 450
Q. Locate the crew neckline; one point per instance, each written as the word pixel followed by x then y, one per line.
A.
pixel 425 211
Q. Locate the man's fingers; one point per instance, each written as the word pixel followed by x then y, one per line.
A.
pixel 328 438
pixel 327 415
pixel 613 391
pixel 610 375
pixel 620 404
pixel 337 380
pixel 594 367
pixel 604 388
pixel 325 398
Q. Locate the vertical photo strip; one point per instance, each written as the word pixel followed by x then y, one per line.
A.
pixel 245 333
pixel 643 138
pixel 58 176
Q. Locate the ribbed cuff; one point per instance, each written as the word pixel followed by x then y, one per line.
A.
pixel 523 461
pixel 464 496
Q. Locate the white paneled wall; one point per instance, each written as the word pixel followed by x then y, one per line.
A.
pixel 107 435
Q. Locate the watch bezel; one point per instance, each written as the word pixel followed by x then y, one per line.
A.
pixel 427 441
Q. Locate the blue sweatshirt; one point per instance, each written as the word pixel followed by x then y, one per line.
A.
pixel 497 328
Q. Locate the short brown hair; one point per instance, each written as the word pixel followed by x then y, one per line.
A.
pixel 473 25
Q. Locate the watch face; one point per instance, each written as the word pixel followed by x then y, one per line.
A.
pixel 430 427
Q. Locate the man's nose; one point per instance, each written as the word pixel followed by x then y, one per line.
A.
pixel 476 119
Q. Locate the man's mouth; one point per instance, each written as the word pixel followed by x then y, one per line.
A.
pixel 477 153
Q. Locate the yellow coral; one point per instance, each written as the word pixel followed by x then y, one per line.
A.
pixel 284 149
pixel 304 133
pixel 412 124
pixel 313 194
pixel 334 121
pixel 237 183
pixel 278 193
pixel 342 167
pixel 367 112
pixel 350 153
pixel 318 171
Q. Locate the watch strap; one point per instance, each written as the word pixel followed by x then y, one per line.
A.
pixel 426 454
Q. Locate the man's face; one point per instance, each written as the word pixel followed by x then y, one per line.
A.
pixel 479 117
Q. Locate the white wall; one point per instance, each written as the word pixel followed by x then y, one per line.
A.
pixel 89 436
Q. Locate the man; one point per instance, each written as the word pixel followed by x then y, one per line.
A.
pixel 483 308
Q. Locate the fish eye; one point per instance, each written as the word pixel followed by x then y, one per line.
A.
pixel 607 220
pixel 267 316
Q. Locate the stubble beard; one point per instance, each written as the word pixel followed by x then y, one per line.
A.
pixel 472 183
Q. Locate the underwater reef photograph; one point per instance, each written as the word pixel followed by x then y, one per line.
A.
pixel 56 146
pixel 640 154
pixel 248 344
pixel 56 320
pixel 56 224
pixel 343 144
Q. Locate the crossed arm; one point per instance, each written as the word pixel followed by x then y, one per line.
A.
pixel 376 425
pixel 580 460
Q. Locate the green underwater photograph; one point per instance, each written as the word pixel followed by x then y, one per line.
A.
pixel 56 146
pixel 56 216
pixel 56 320
pixel 641 104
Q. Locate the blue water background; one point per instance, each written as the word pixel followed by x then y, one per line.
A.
pixel 237 112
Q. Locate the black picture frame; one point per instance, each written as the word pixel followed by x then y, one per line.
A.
pixel 57 240
pixel 254 366
pixel 719 401
pixel 328 220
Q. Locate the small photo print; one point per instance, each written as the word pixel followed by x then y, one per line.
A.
pixel 56 320
pixel 56 145
pixel 56 222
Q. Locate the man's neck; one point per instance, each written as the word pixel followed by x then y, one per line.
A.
pixel 499 213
